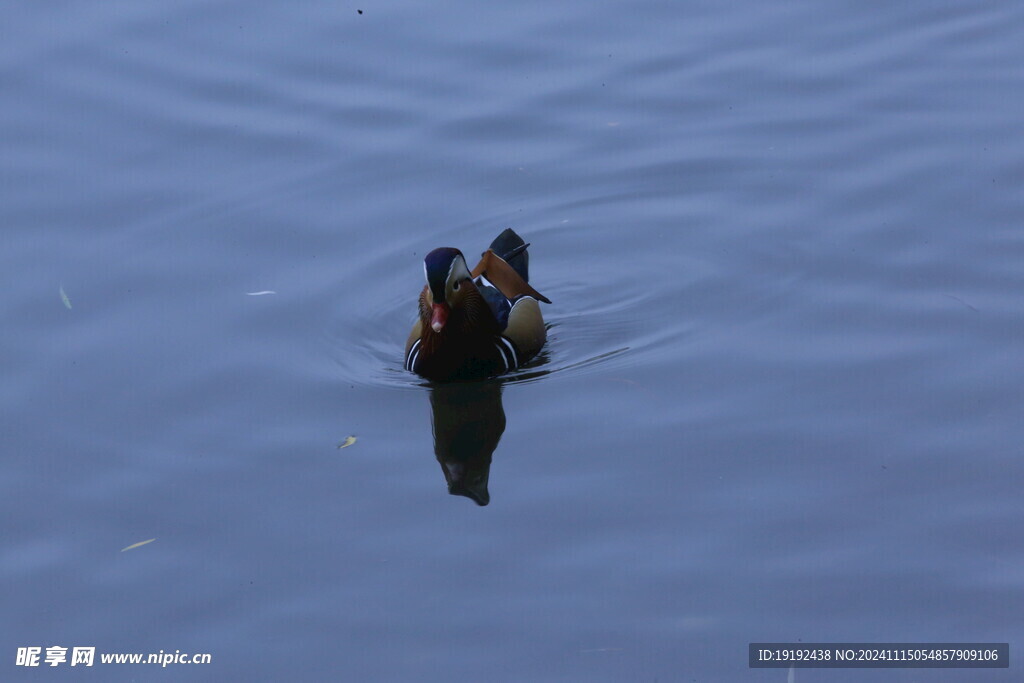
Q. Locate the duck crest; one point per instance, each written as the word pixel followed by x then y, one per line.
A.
pixel 478 323
pixel 437 267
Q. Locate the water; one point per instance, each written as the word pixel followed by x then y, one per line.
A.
pixel 781 397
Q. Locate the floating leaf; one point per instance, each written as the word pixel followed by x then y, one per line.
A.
pixel 348 442
pixel 136 545
pixel 64 298
pixel 261 293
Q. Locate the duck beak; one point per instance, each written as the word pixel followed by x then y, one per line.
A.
pixel 440 316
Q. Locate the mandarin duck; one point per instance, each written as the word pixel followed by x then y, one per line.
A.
pixel 478 323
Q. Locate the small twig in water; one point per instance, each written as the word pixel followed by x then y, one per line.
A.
pixel 956 298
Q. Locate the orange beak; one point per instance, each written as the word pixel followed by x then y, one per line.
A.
pixel 440 316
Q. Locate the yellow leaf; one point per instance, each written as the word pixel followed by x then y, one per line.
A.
pixel 348 442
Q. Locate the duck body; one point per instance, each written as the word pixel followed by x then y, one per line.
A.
pixel 479 323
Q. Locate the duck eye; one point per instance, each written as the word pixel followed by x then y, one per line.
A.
pixel 456 285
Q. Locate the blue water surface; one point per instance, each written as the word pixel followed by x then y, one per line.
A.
pixel 781 399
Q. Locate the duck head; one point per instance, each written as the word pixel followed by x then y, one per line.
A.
pixel 447 274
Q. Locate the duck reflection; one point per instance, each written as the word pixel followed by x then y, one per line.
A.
pixel 468 421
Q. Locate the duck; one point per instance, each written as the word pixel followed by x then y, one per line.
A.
pixel 478 323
